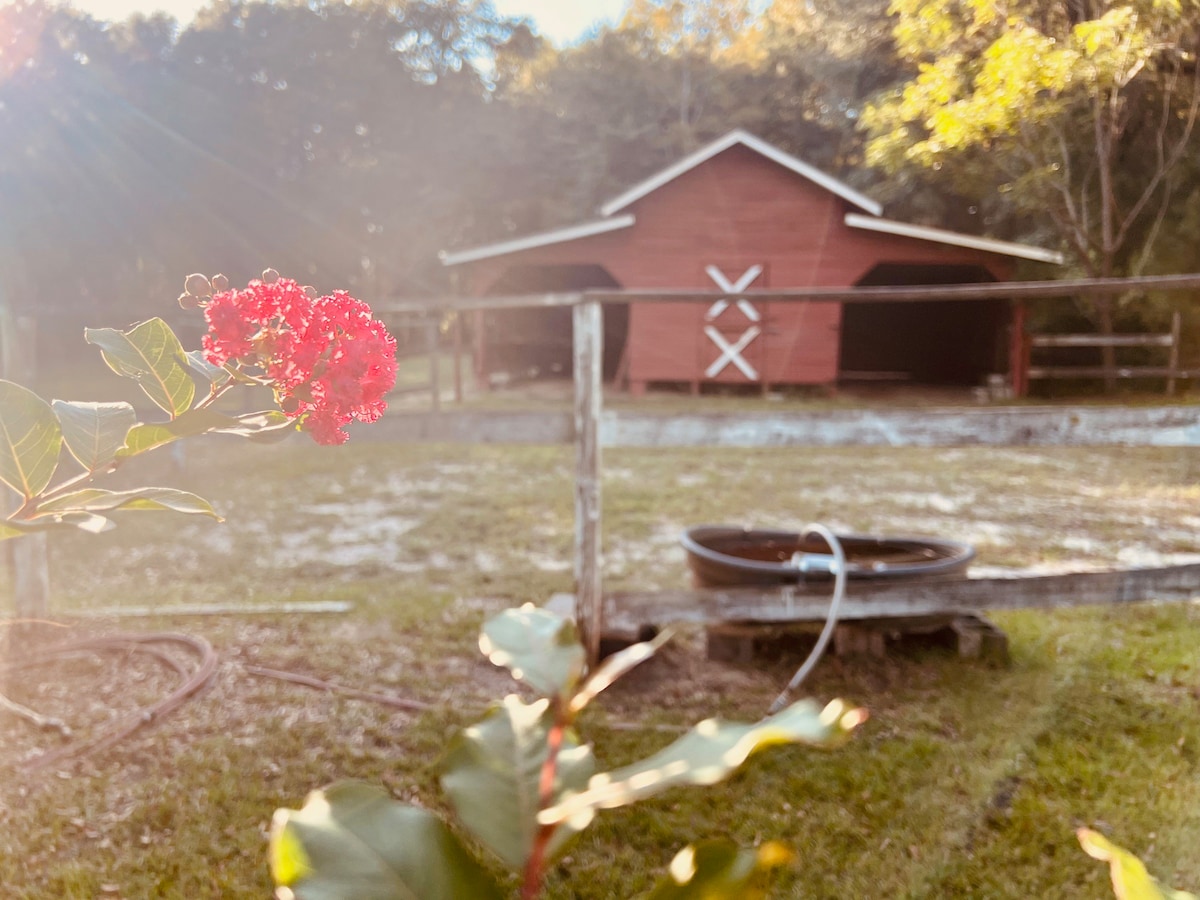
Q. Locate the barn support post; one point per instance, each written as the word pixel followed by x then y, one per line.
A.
pixel 588 347
pixel 27 560
pixel 1018 356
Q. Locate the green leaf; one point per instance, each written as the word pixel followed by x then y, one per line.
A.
pixel 213 374
pixel 614 667
pixel 493 772
pixel 262 427
pixel 265 427
pixel 538 647
pixel 89 522
pixel 30 440
pixel 149 498
pixel 351 841
pixel 708 753
pixel 142 438
pixel 94 432
pixel 148 436
pixel 719 870
pixel 151 354
pixel 1130 879
pixel 10 530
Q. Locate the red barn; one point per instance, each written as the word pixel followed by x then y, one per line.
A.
pixel 739 215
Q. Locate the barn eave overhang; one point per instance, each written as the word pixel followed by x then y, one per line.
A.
pixel 758 145
pixel 533 241
pixel 953 238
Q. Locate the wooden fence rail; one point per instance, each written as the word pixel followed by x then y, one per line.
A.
pixel 588 353
pixel 1169 341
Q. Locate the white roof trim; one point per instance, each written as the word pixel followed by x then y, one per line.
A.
pixel 637 192
pixel 941 236
pixel 545 238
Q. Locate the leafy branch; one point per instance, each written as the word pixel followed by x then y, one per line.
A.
pixel 101 437
pixel 522 784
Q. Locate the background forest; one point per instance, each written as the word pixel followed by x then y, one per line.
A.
pixel 345 143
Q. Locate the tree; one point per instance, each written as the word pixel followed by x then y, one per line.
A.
pixel 672 76
pixel 1080 111
pixel 841 54
pixel 343 141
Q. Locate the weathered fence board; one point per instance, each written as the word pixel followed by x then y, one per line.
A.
pixel 589 383
pixel 1079 287
pixel 1169 341
pixel 864 600
pixel 1036 372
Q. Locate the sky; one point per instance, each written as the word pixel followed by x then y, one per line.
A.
pixel 562 21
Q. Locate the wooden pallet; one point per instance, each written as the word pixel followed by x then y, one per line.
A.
pixel 746 620
pixel 972 637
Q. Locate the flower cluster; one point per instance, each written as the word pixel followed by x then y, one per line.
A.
pixel 327 359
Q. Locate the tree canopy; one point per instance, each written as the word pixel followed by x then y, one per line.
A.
pixel 1081 112
pixel 346 143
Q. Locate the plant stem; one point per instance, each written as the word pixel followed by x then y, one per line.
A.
pixel 214 393
pixel 531 884
pixel 63 486
pixel 85 477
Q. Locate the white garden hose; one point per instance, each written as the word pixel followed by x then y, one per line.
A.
pixel 838 568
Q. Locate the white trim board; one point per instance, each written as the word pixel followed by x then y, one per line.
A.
pixel 953 238
pixel 758 145
pixel 543 239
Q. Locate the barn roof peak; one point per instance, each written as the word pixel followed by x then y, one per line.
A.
pixel 758 145
pixel 610 221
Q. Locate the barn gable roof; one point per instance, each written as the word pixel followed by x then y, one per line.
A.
pixel 541 239
pixel 953 238
pixel 758 145
pixel 872 222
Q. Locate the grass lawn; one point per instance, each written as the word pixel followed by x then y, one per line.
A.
pixel 966 782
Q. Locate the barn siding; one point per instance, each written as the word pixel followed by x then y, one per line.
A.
pixel 737 210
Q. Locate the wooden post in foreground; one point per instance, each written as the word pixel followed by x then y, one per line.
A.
pixel 28 564
pixel 588 332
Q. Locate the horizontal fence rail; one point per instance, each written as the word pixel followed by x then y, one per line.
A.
pixel 1021 290
pixel 1099 340
pixel 1169 342
pixel 588 352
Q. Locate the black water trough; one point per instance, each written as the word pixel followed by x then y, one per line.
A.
pixel 727 556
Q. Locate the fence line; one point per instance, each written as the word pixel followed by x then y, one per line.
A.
pixel 1169 341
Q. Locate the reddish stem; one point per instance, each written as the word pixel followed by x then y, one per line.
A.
pixel 535 866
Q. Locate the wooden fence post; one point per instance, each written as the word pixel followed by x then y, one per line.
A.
pixel 458 347
pixel 588 342
pixel 435 375
pixel 1173 353
pixel 27 560
pixel 1018 350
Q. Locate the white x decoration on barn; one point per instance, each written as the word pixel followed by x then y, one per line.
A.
pixel 732 352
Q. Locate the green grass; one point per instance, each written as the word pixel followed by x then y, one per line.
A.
pixel 414 371
pixel 967 781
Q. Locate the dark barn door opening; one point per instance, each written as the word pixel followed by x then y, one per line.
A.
pixel 537 342
pixel 943 342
